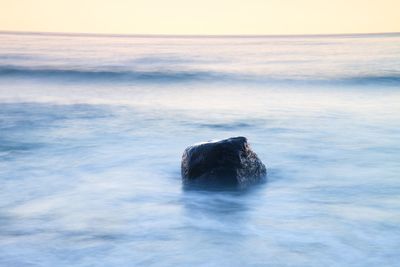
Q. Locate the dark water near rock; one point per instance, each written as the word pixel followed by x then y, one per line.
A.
pixel 92 130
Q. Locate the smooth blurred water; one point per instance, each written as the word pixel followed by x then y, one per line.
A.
pixel 92 130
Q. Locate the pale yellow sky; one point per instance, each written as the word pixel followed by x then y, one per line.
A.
pixel 201 16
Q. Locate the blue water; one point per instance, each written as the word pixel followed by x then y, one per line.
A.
pixel 92 130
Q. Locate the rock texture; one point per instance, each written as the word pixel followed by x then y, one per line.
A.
pixel 225 162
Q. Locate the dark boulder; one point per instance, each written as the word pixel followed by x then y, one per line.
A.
pixel 225 162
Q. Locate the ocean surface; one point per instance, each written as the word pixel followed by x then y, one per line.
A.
pixel 92 130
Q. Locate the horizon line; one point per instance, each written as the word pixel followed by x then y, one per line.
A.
pixel 154 35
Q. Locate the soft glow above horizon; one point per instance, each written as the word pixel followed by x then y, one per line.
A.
pixel 201 17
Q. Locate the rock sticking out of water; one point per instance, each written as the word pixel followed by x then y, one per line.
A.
pixel 228 162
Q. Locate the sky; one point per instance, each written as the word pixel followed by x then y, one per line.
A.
pixel 209 17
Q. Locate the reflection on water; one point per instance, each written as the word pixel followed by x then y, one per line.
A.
pixel 90 172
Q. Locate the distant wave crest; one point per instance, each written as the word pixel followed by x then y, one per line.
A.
pixel 103 75
pixel 171 76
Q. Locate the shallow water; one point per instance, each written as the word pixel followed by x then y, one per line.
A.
pixel 92 130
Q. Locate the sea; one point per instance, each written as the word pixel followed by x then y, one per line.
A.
pixel 93 127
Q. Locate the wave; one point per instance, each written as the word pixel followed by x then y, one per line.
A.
pixel 104 75
pixel 373 79
pixel 171 76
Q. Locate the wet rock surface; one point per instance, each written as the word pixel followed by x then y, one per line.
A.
pixel 228 162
